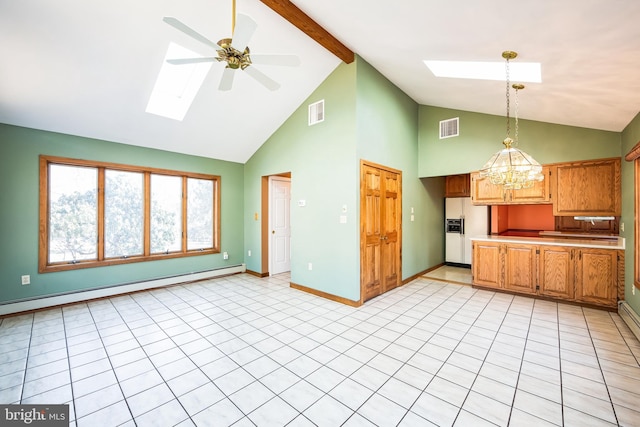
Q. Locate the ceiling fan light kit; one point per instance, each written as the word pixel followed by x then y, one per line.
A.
pixel 234 51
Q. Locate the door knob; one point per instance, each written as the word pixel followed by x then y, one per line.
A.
pixel 273 231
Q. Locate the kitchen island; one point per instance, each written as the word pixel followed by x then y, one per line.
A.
pixel 585 269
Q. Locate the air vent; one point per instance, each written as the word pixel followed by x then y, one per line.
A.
pixel 449 128
pixel 316 112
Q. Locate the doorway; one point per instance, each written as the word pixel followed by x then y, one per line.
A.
pixel 279 224
pixel 380 229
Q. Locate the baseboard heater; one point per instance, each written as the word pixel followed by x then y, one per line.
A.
pixel 18 306
pixel 630 317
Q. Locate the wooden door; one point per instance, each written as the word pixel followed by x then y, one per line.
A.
pixel 557 271
pixel 380 229
pixel 597 273
pixel 390 250
pixel 487 264
pixel 520 268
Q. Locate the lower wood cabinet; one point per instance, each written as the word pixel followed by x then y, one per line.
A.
pixel 587 275
pixel 520 270
pixel 596 274
pixel 557 272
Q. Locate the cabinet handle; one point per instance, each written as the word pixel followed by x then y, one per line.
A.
pixel 571 254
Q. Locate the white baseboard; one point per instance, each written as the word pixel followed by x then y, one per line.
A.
pixel 60 299
pixel 630 317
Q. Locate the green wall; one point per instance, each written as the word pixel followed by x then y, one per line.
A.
pixel 481 136
pixel 321 160
pixel 388 135
pixel 367 118
pixel 630 137
pixel 19 152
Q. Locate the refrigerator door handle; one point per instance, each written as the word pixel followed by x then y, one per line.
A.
pixel 462 226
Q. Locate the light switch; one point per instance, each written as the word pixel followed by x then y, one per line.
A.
pixel 412 218
pixel 302 203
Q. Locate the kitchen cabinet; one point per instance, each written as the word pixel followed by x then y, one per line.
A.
pixel 483 192
pixel 520 272
pixel 572 273
pixel 457 186
pixel 508 266
pixel 486 264
pixel 596 273
pixel 556 273
pixel 589 188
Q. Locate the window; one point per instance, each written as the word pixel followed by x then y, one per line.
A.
pixel 95 213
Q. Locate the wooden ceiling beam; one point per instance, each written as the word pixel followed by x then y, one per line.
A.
pixel 302 21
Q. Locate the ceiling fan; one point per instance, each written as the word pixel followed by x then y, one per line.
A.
pixel 235 52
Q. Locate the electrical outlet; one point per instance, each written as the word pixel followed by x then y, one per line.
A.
pixel 310 266
pixel 633 290
pixel 26 279
pixel 249 252
pixel 225 255
pixel 622 226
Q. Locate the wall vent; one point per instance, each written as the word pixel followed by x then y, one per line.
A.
pixel 316 112
pixel 449 128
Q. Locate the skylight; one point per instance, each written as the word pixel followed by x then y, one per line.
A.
pixel 519 71
pixel 177 85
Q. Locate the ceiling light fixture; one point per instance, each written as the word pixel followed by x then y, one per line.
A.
pixel 511 167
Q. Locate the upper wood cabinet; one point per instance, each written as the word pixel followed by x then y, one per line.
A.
pixel 483 192
pixel 457 186
pixel 590 188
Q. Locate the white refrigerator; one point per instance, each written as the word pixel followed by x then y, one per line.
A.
pixel 463 221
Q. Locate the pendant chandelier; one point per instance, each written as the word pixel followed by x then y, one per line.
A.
pixel 511 167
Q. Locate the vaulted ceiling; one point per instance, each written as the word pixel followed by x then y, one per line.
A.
pixel 88 68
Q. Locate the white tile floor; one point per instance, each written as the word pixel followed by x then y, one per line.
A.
pixel 460 275
pixel 245 351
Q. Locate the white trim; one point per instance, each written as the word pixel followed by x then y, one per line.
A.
pixel 630 317
pixel 51 301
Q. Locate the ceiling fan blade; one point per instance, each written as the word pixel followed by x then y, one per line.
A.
pixel 282 60
pixel 262 78
pixel 227 79
pixel 189 31
pixel 245 27
pixel 182 61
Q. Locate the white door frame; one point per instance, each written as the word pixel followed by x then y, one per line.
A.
pixel 272 228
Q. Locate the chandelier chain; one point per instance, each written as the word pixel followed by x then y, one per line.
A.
pixel 508 107
pixel 515 143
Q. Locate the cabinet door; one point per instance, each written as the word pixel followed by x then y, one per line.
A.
pixel 587 188
pixel 483 192
pixel 520 268
pixel 557 271
pixel 538 193
pixel 597 273
pixel 486 265
pixel 457 186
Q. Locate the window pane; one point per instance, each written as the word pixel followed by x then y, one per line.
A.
pixel 166 213
pixel 199 213
pixel 123 213
pixel 73 213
